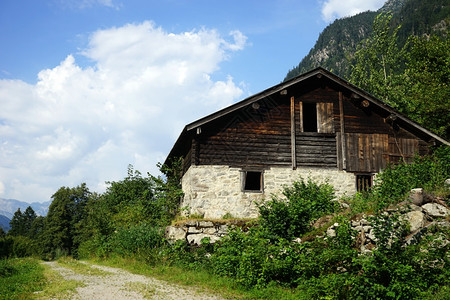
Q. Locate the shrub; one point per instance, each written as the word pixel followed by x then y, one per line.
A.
pixel 137 239
pixel 303 202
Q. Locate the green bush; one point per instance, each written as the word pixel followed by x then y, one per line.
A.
pixel 427 172
pixel 291 216
pixel 137 239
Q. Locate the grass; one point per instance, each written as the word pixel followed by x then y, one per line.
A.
pixel 28 278
pixel 20 278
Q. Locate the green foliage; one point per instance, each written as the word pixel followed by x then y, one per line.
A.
pixel 376 64
pixel 427 79
pixel 20 278
pixel 66 211
pixel 291 217
pixel 395 182
pixel 21 223
pixel 137 239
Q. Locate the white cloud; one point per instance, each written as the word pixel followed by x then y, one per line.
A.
pixel 87 124
pixel 333 9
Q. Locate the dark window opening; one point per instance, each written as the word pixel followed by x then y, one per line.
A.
pixel 253 181
pixel 363 182
pixel 309 117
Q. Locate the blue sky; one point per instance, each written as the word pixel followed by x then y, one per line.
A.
pixel 90 86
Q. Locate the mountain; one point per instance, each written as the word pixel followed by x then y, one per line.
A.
pixel 9 206
pixel 4 223
pixel 339 40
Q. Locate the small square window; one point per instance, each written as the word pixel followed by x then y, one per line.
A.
pixel 363 182
pixel 252 181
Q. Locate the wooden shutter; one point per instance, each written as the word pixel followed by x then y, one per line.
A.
pixel 325 122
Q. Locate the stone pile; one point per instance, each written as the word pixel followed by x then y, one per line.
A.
pixel 193 231
pixel 417 211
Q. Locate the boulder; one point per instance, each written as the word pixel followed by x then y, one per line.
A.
pixel 416 196
pixel 175 233
pixel 416 220
pixel 436 210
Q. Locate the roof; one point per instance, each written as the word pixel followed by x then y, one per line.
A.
pixel 189 129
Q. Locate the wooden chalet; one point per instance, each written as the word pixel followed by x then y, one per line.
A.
pixel 314 125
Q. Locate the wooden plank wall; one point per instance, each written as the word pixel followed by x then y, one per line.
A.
pixel 366 153
pixel 252 137
pixel 316 150
pixel 401 149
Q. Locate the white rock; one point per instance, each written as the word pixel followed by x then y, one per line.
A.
pixel 175 233
pixel 331 232
pixel 416 220
pixel 436 210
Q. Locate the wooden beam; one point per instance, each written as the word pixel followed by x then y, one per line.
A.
pixel 342 139
pixel 293 152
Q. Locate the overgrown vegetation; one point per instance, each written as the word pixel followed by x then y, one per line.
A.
pixel 268 259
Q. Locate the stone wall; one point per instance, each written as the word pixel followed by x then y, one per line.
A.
pixel 214 191
pixel 193 231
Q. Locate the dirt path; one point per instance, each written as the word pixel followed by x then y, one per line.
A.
pixel 119 284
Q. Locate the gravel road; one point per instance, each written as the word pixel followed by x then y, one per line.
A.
pixel 119 284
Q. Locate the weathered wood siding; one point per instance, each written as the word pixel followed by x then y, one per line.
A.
pixel 256 136
pixel 349 135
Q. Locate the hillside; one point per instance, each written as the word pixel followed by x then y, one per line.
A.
pixel 339 40
pixel 4 223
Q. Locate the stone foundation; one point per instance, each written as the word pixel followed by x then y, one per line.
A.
pixel 215 191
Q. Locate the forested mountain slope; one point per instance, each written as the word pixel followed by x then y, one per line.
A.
pixel 339 40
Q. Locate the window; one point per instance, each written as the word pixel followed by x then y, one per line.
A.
pixel 316 117
pixel 252 181
pixel 363 182
pixel 309 117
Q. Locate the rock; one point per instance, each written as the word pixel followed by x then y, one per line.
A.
pixel 371 236
pixel 196 239
pixel 175 233
pixel 436 210
pixel 222 230
pixel 205 224
pixel 331 232
pixel 356 223
pixel 416 220
pixel 194 230
pixel 416 196
pixel 367 228
pixel 415 207
pixel 364 222
pixel 209 230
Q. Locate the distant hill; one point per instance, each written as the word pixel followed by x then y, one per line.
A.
pixel 4 223
pixel 339 40
pixel 9 206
